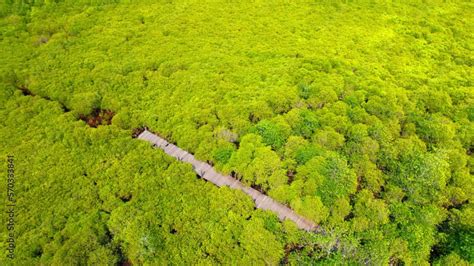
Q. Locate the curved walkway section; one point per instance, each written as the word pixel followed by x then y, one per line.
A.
pixel 207 172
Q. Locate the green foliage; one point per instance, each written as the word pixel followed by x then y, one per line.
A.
pixel 452 259
pixel 223 154
pixel 303 122
pixel 369 212
pixel 304 91
pixel 422 176
pixel 272 134
pixel 77 204
pixel 122 119
pixel 311 207
pixel 458 236
pixel 358 115
pixel 329 139
pixel 339 179
pixel 435 129
pixel 257 164
pixel 305 153
pixel 85 103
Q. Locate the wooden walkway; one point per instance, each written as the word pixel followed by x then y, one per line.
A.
pixel 207 172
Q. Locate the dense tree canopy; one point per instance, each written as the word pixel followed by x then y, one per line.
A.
pixel 359 116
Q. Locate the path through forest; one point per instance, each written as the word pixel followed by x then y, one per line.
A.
pixel 208 173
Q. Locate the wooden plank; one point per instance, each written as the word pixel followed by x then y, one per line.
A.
pixel 161 143
pixel 207 172
pixel 181 154
pixel 236 185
